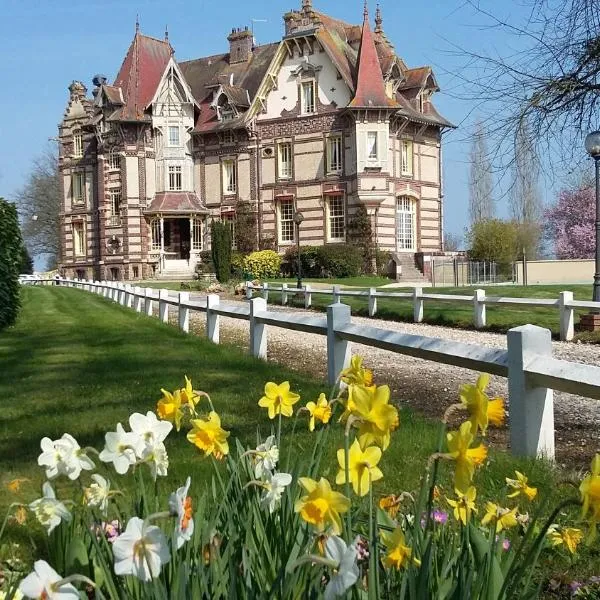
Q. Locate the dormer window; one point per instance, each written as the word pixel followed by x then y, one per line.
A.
pixel 174 135
pixel 227 113
pixel 308 103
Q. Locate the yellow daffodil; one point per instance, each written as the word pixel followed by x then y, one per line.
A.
pixel 188 395
pixel 356 374
pixel 464 505
pixel 169 408
pixel 519 485
pixel 362 467
pixel 481 409
pixel 390 504
pixel 375 416
pixel 321 507
pixel 398 553
pixel 14 486
pixel 590 496
pixel 209 436
pixel 503 517
pixel 278 399
pixel 466 458
pixel 319 411
pixel 21 515
pixel 570 537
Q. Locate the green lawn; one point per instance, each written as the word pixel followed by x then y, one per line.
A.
pixel 362 281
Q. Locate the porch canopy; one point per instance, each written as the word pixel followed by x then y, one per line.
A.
pixel 183 203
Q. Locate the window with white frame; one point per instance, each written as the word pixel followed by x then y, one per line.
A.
pixel 372 151
pixel 174 135
pixel 406 155
pixel 115 206
pixel 229 177
pixel 78 188
pixel 174 178
pixel 155 229
pixel 308 100
pixel 336 218
pixel 78 238
pixel 114 159
pixel 286 221
pixel 196 235
pixel 77 144
pixel 229 217
pixel 334 154
pixel 405 224
pixel 284 160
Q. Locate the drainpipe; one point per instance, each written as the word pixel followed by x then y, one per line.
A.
pixel 442 245
pixel 258 198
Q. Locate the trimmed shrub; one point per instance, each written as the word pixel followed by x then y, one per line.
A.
pixel 340 260
pixel 263 264
pixel 237 265
pixel 11 254
pixel 205 266
pixel 221 250
pixel 309 259
pixel 360 234
pixel 245 227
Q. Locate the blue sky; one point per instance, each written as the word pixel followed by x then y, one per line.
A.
pixel 49 43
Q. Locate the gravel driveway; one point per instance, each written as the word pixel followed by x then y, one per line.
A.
pixel 430 387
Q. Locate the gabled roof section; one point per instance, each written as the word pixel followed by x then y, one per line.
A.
pixel 370 87
pixel 419 78
pixel 140 74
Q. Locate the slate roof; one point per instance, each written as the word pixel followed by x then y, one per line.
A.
pixel 176 202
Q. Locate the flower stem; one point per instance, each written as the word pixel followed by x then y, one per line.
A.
pixel 7 516
pixel 347 484
pixel 373 575
pixel 279 430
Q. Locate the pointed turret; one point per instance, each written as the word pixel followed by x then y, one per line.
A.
pixel 378 21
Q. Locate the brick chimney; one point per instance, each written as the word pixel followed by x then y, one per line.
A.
pixel 240 45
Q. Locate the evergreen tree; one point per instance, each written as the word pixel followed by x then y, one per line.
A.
pixel 26 265
pixel 11 248
pixel 360 233
pixel 221 250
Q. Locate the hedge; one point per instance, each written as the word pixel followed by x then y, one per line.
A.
pixel 11 252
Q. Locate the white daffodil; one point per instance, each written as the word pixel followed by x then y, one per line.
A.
pixel 45 582
pixel 120 449
pixel 156 458
pixel 149 428
pixel 267 455
pixel 98 492
pixel 141 550
pixel 63 457
pixel 48 510
pixel 180 506
pixel 346 573
pixel 274 485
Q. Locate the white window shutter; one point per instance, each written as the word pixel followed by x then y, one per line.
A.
pixel 383 149
pixel 361 150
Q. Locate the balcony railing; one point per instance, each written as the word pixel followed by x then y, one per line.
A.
pixel 114 221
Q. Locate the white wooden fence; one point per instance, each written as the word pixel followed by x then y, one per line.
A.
pixel 565 303
pixel 527 363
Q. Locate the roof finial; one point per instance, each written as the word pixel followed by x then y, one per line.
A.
pixel 378 20
pixel 366 11
pixel 137 23
pixel 307 5
pixel 166 33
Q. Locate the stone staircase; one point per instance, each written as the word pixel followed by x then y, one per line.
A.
pixel 406 268
pixel 176 270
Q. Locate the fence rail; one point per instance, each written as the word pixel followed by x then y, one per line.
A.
pixel 527 363
pixel 565 303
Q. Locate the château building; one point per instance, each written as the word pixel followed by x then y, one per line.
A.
pixel 321 122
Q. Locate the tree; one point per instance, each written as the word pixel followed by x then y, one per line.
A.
pixel 221 250
pixel 570 224
pixel 26 262
pixel 245 227
pixel 452 241
pixel 494 240
pixel 481 201
pixel 39 204
pixel 11 246
pixel 360 233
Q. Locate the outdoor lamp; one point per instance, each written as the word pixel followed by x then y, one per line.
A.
pixel 298 218
pixel 592 146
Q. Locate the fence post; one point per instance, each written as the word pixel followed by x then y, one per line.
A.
pixel 479 309
pixel 249 290
pixel 121 293
pixel 258 331
pixel 184 312
pixel 265 291
pixel 418 305
pixel 139 299
pixel 307 296
pixel 163 307
pixel 212 318
pixel 148 302
pixel 567 316
pixel 284 294
pixel 531 409
pixel 130 297
pixel 372 302
pixel 336 294
pixel 338 350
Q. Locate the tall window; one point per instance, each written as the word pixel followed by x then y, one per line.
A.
pixel 114 159
pixel 155 227
pixel 78 238
pixel 196 235
pixel 308 97
pixel 405 224
pixel 229 177
pixel 115 207
pixel 372 153
pixel 334 154
pixel 174 135
pixel 336 218
pixel 77 188
pixel 406 157
pixel 229 218
pixel 77 144
pixel 285 160
pixel 174 178
pixel 286 221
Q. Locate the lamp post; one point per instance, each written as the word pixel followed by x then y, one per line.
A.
pixel 298 218
pixel 592 146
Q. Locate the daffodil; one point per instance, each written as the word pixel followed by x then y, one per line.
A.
pixel 209 436
pixel 356 374
pixel 168 408
pixel 319 411
pixel 570 537
pixel 362 467
pixel 45 582
pixel 180 506
pixel 120 449
pixel 464 505
pixel 481 409
pixel 63 457
pixel 14 485
pixel 346 570
pixel 503 517
pixel 266 457
pixel 48 510
pixel 274 485
pixel 590 496
pixel 519 485
pixel 189 396
pixel 466 458
pixel 321 507
pixel 278 399
pixel 398 553
pixel 98 493
pixel 390 504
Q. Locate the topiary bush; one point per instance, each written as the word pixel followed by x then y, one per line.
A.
pixel 11 253
pixel 263 264
pixel 340 260
pixel 309 259
pixel 221 250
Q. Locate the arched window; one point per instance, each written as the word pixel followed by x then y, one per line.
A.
pixel 406 224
